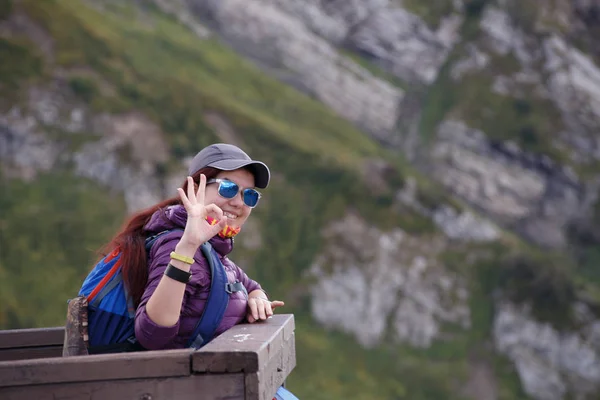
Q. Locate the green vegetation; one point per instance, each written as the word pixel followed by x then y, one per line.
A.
pixel 528 120
pixel 50 229
pixel 84 87
pixel 6 8
pixel 25 64
pixel 431 12
pixel 333 366
pixel 439 100
pixel 374 69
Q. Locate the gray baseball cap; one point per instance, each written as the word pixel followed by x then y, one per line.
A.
pixel 228 157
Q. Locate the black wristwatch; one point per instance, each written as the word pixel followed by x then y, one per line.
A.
pixel 177 274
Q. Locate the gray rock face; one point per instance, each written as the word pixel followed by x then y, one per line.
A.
pixel 99 160
pixel 298 56
pixel 324 18
pixel 396 278
pixel 574 84
pixel 464 226
pixel 504 37
pixel 571 78
pixel 26 148
pixel 393 38
pixel 402 43
pixel 24 151
pixel 475 61
pixel 550 364
pixel 457 225
pixel 524 191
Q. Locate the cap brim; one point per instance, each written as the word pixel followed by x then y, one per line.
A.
pixel 260 170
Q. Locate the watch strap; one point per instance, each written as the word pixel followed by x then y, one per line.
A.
pixel 177 274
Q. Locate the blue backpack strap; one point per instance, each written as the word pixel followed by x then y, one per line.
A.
pixel 151 239
pixel 217 302
pixel 107 288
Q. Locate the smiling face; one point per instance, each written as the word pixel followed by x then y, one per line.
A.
pixel 235 209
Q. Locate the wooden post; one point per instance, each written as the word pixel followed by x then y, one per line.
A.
pixel 249 361
pixel 266 355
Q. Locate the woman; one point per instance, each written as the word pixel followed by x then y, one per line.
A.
pixel 171 285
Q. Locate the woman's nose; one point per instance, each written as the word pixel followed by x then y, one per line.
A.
pixel 237 200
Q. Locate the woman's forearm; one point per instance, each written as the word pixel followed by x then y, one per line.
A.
pixel 164 306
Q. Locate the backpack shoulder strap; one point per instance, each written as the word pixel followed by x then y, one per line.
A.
pixel 150 240
pixel 217 302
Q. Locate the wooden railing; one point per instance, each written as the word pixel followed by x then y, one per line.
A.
pixel 249 361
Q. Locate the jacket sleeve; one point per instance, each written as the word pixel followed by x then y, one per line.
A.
pixel 248 283
pixel 149 334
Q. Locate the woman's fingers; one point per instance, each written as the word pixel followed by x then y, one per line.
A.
pixel 261 309
pixel 201 189
pixel 218 213
pixel 277 303
pixel 253 308
pixel 261 305
pixel 268 309
pixel 216 210
pixel 190 190
pixel 184 199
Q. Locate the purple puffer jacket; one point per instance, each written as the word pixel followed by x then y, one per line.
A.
pixel 153 336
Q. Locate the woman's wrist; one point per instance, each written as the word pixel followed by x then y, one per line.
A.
pixel 258 294
pixel 185 249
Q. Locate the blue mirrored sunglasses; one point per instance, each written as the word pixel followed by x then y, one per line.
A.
pixel 229 190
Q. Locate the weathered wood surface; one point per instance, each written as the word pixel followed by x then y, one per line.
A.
pixel 249 361
pixel 266 355
pixel 21 344
pixel 76 328
pixel 198 387
pixel 101 367
pixel 31 337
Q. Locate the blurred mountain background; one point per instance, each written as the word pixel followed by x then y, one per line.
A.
pixel 433 218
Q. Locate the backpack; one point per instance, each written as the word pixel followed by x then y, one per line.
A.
pixel 111 311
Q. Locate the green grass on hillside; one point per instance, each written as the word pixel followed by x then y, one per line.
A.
pixel 162 67
pixel 332 365
pixel 50 229
pixel 431 11
pixel 25 66
pixel 524 118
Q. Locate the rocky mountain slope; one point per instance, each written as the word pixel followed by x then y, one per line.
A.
pixel 433 217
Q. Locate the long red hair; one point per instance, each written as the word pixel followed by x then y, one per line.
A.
pixel 131 240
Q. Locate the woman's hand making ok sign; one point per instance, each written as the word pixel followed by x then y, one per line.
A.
pixel 197 229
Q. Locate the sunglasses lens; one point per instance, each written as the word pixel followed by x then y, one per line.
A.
pixel 228 189
pixel 251 197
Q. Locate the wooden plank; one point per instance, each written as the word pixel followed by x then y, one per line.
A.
pixel 193 387
pixel 150 364
pixel 244 347
pixel 264 383
pixel 31 337
pixel 277 370
pixel 26 353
